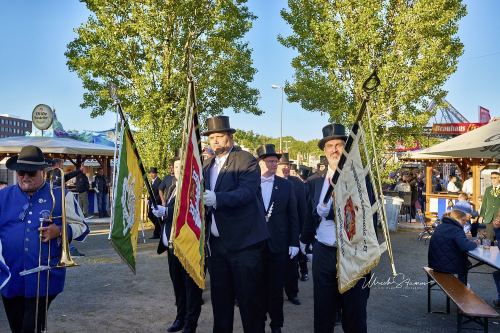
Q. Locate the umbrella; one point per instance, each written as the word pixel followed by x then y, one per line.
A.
pixel 483 142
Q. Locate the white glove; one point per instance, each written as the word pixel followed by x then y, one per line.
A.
pixel 292 251
pixel 302 247
pixel 209 198
pixel 324 210
pixel 160 212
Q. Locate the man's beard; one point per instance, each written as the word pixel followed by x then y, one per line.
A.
pixel 220 151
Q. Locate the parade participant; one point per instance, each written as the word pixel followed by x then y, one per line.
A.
pixel 319 229
pixel 292 276
pixel 186 291
pixel 304 173
pixel 280 204
pixel 167 181
pixel 155 184
pixel 100 185
pixel 237 229
pixel 25 210
pixel 491 203
pixel 449 245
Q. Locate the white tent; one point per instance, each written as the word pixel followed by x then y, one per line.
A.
pixel 50 145
pixel 483 142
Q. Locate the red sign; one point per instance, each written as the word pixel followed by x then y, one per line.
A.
pixel 454 128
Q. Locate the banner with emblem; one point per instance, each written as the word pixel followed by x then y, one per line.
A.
pixel 126 208
pixel 356 214
pixel 188 230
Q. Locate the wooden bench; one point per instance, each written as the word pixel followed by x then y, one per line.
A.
pixel 470 307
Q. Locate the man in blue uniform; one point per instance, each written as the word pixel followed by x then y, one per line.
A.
pixel 25 219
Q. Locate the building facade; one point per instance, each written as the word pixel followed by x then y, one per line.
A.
pixel 12 126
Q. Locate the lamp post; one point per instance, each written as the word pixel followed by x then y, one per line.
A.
pixel 275 86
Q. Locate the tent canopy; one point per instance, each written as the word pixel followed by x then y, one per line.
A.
pixel 483 142
pixel 51 145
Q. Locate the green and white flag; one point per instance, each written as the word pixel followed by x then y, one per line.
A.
pixel 126 208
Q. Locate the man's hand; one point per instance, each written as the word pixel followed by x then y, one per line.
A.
pixel 50 232
pixel 292 251
pixel 160 212
pixel 209 198
pixel 322 209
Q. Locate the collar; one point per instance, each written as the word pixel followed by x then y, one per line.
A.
pixel 330 172
pixel 266 179
pixel 221 160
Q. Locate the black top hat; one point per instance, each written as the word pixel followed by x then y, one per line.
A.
pixel 30 158
pixel 304 172
pixel 219 124
pixel 267 150
pixel 323 160
pixel 284 159
pixel 332 131
pixel 293 166
pixel 153 170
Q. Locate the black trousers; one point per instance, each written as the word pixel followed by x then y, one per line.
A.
pixel 156 223
pixel 328 300
pixel 237 275
pixel 302 263
pixel 292 277
pixel 187 293
pixel 21 313
pixel 276 267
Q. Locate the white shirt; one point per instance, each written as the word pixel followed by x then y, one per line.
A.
pixel 214 173
pixel 451 187
pixel 467 186
pixel 266 184
pixel 326 232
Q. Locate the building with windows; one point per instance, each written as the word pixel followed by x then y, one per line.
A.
pixel 13 126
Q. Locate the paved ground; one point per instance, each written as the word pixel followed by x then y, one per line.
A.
pixel 102 295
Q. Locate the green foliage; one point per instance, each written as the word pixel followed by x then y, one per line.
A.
pixel 141 46
pixel 412 44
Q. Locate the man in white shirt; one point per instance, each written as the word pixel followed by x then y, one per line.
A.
pixel 280 204
pixel 452 187
pixel 467 187
pixel 319 230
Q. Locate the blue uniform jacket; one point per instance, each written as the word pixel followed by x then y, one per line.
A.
pixel 19 222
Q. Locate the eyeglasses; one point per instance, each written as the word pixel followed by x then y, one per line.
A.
pixel 22 215
pixel 21 173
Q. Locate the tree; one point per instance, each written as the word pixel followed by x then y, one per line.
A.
pixel 143 46
pixel 411 43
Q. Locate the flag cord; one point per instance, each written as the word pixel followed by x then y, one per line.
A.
pixel 379 189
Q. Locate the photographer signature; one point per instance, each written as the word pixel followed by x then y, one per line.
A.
pixel 399 281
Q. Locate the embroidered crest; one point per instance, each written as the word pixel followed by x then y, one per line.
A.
pixel 350 218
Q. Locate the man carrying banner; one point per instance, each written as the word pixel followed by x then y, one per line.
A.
pixel 320 230
pixel 235 218
pixel 187 293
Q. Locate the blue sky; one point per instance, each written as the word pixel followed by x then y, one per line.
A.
pixel 34 35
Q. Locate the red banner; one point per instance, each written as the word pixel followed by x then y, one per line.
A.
pixel 454 128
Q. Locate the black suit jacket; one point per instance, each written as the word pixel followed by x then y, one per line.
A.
pixel 155 185
pixel 239 213
pixel 283 225
pixel 167 219
pixel 300 194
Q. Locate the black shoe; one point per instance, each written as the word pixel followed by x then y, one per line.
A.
pixel 276 330
pixel 176 326
pixel 294 300
pixel 304 277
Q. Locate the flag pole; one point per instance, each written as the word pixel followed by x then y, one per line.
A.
pixel 128 132
pixel 113 183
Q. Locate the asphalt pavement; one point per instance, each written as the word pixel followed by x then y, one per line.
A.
pixel 103 295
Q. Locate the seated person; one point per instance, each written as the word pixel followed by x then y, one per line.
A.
pixel 448 246
pixel 452 187
pixel 496 275
pixel 464 204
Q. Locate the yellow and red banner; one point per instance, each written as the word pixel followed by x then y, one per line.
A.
pixel 188 234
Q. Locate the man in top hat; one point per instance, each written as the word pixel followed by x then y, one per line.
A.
pixel 304 173
pixel 236 230
pixel 155 186
pixel 319 230
pixel 278 197
pixel 292 168
pixel 292 276
pixel 30 223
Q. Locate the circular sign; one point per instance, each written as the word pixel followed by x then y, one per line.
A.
pixel 42 116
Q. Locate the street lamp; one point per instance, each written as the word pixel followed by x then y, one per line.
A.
pixel 275 86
